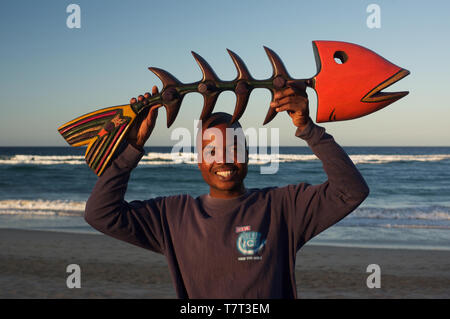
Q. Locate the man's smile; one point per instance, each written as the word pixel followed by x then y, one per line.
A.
pixel 225 173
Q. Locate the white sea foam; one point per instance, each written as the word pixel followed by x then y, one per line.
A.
pixel 154 158
pixel 43 160
pixel 380 159
pixel 438 213
pixel 76 208
pixel 40 207
pixel 416 226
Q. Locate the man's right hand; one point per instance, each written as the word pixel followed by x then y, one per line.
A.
pixel 144 122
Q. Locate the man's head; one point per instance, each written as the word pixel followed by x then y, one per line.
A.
pixel 223 155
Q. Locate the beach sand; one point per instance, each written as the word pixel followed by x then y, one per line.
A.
pixel 33 265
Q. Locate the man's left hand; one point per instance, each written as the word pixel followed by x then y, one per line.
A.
pixel 294 100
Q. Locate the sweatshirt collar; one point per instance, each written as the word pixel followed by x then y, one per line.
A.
pixel 224 202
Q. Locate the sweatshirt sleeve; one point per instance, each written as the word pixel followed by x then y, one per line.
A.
pixel 314 208
pixel 136 222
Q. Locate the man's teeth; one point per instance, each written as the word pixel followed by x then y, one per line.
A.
pixel 224 173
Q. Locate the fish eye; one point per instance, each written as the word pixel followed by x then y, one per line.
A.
pixel 340 57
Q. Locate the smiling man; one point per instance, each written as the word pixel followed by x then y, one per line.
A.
pixel 223 158
pixel 233 242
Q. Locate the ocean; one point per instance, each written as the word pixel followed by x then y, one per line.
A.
pixel 45 188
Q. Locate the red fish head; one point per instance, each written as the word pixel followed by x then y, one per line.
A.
pixel 349 81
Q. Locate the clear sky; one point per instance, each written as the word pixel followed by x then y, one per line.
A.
pixel 50 74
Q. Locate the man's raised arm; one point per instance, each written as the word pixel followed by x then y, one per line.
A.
pixel 318 207
pixel 137 222
pixel 312 209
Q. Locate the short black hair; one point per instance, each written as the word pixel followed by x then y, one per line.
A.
pixel 219 118
pixel 213 120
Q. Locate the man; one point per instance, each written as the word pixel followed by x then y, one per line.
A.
pixel 233 242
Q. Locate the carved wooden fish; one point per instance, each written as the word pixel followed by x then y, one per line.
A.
pixel 348 85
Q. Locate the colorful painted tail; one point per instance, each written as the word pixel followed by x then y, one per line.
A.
pixel 102 131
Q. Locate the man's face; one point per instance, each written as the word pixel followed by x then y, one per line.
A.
pixel 224 162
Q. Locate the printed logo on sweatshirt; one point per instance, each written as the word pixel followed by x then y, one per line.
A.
pixel 240 229
pixel 250 243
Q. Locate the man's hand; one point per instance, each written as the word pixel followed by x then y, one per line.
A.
pixel 294 100
pixel 145 121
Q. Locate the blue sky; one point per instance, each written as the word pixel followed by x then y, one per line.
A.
pixel 50 74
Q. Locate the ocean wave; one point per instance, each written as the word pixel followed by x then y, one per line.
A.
pixel 431 213
pixel 395 216
pixel 154 158
pixel 381 159
pixel 24 207
pixel 43 160
pixel 415 226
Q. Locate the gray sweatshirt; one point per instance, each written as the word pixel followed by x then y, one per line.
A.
pixel 243 247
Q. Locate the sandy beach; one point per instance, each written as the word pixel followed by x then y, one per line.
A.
pixel 33 265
